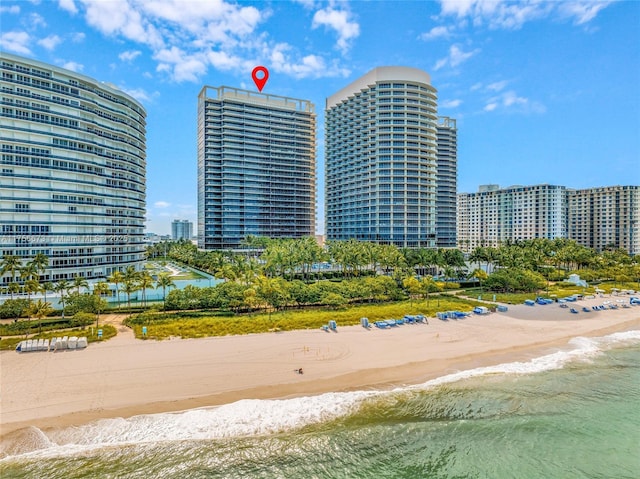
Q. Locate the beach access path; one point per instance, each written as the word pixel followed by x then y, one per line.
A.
pixel 125 376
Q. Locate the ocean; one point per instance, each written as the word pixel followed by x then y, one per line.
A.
pixel 571 414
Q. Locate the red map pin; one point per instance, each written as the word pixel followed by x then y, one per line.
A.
pixel 260 81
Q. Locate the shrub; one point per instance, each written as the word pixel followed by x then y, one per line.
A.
pixel 515 279
pixel 13 308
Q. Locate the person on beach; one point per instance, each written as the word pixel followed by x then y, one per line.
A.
pixel 299 371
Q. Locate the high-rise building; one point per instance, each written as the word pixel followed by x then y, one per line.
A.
pixel 380 152
pixel 446 182
pixel 256 167
pixel 181 230
pixel 606 216
pixel 493 215
pixel 72 177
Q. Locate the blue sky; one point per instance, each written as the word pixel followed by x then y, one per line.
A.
pixel 544 92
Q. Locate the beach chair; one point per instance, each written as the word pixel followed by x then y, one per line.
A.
pixel 586 310
pixel 574 311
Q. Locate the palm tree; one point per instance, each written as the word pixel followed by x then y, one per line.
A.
pixel 80 282
pixel 116 278
pixel 10 263
pixel 145 281
pixel 45 287
pixel 62 287
pixel 29 271
pixel 31 286
pixel 100 289
pixel 13 288
pixel 40 261
pixel 164 282
pixel 39 310
pixel 130 287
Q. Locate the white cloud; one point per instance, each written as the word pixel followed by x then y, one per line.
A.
pixel 73 66
pixel 181 65
pixel 456 57
pixel 511 101
pixel 497 86
pixel 451 103
pixel 139 94
pixel 120 17
pixel 50 42
pixel 68 5
pixel 129 55
pixel 309 66
pixel 16 42
pixel 339 21
pixel 308 4
pixel 36 20
pixel 511 15
pixel 12 9
pixel 582 12
pixel 161 204
pixel 436 32
pixel 78 37
pixel 188 37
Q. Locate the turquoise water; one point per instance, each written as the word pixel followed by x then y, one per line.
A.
pixel 571 414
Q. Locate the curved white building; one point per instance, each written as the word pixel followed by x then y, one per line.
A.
pixel 380 150
pixel 72 171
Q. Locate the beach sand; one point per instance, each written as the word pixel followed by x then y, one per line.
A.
pixel 124 377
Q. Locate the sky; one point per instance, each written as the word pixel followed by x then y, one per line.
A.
pixel 543 92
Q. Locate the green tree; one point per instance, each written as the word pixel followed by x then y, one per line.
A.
pixel 480 275
pixel 39 309
pixel 145 281
pixel 100 289
pixel 31 286
pixel 40 261
pixel 80 282
pixel 45 288
pixel 272 291
pixel 413 287
pixel 13 308
pixel 130 287
pixel 116 278
pixel 62 287
pixel 13 288
pixel 10 264
pixel 28 271
pixel 164 281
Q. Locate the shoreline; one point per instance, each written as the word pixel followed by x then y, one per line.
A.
pixel 126 377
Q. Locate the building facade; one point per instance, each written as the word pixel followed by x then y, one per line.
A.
pixel 72 171
pixel 494 215
pixel 446 182
pixel 256 167
pixel 380 159
pixel 181 230
pixel 606 217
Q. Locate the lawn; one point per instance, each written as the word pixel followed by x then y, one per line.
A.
pixel 177 325
pixel 157 267
pixel 108 331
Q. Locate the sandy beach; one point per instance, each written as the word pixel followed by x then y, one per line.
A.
pixel 123 377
